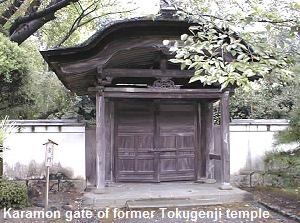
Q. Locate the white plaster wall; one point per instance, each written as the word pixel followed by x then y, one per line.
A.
pixel 245 144
pixel 248 144
pixel 27 145
pixel 250 141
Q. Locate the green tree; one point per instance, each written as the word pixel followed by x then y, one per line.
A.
pixel 270 98
pixel 292 133
pixel 238 40
pixel 14 71
pixel 6 128
pixel 58 21
pixel 28 89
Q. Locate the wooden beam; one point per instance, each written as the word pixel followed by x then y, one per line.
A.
pixel 157 96
pixel 147 73
pixel 225 148
pixel 100 141
pixel 162 90
pixel 162 93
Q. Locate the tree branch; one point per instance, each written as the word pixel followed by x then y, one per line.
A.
pixel 10 11
pixel 106 14
pixel 77 23
pixel 231 20
pixel 2 1
pixel 53 7
pixel 26 30
pixel 33 7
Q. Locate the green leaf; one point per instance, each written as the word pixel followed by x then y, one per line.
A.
pixel 184 37
pixel 194 79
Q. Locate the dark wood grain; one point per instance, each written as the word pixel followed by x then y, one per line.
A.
pixel 217 151
pixel 176 126
pixel 155 141
pixel 100 140
pixel 134 141
pixel 225 149
pixel 114 72
pixel 209 140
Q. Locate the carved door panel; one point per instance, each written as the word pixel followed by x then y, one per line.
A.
pixel 134 140
pixel 176 142
pixel 155 142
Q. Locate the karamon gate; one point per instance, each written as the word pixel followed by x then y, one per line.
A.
pixel 152 125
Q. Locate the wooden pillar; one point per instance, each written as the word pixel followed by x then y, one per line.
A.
pixel 225 149
pixel 100 140
pixel 207 142
pixel 199 167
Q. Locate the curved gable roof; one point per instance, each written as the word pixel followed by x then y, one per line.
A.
pixel 116 30
pixel 76 66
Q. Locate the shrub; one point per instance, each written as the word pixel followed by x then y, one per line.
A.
pixel 13 194
pixel 283 168
pixel 292 133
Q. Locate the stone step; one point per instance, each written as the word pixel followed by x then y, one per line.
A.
pixel 149 195
pixel 169 203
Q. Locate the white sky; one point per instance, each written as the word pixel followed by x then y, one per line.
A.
pixel 145 7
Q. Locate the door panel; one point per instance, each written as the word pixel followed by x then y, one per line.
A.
pixel 155 142
pixel 134 140
pixel 176 132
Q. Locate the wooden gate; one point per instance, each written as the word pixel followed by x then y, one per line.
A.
pixel 155 141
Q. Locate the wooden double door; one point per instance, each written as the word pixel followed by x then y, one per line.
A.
pixel 155 141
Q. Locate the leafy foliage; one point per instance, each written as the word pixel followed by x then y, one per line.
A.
pixel 50 98
pixel 284 167
pixel 14 70
pixel 29 91
pixel 269 98
pixel 220 57
pixel 57 23
pixel 6 128
pixel 12 59
pixel 292 133
pixel 13 194
pixel 217 49
pixel 76 22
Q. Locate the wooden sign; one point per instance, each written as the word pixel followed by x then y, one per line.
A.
pixel 49 153
pixel 48 162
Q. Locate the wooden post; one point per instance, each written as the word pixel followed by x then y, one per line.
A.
pixel 207 142
pixel 48 162
pixel 225 149
pixel 47 188
pixel 199 173
pixel 100 141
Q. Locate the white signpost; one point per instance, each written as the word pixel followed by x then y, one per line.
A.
pixel 48 162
